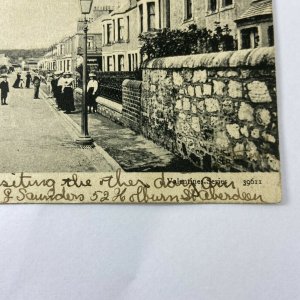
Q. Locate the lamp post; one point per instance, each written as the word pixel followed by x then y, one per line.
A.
pixel 85 139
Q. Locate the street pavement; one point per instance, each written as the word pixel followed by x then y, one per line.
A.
pixel 34 138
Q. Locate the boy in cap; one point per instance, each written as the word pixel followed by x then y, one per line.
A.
pixel 4 87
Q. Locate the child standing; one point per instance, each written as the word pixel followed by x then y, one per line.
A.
pixel 4 87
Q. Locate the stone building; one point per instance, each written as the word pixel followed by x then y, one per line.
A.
pixel 66 55
pixel 255 25
pixel 121 50
pixel 113 43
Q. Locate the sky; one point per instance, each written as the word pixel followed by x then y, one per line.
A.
pixel 28 24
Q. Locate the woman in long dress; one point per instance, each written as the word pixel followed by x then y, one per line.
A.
pixel 67 93
pixel 92 89
pixel 16 85
pixel 28 80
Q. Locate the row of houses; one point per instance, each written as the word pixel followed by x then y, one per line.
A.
pixel 113 43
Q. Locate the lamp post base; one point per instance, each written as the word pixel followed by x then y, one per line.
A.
pixel 84 141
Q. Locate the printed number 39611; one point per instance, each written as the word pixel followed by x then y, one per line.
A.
pixel 252 182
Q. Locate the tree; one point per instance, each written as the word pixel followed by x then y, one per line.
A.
pixel 192 40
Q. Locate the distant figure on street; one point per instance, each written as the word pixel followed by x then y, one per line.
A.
pixel 28 80
pixel 36 84
pixel 16 85
pixel 4 87
pixel 49 78
pixel 60 83
pixel 92 89
pixel 54 83
pixel 67 93
pixel 21 85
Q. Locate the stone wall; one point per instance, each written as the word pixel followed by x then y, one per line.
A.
pixel 131 98
pixel 218 110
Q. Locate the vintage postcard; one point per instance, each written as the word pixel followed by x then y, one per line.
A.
pixel 138 101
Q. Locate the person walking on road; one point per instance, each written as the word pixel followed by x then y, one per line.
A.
pixel 16 85
pixel 36 84
pixel 28 80
pixel 4 87
pixel 49 78
pixel 54 83
pixel 67 93
pixel 92 89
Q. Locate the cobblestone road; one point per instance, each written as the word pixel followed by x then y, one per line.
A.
pixel 33 138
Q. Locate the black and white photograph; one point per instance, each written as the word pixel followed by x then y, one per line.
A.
pixel 149 150
pixel 141 87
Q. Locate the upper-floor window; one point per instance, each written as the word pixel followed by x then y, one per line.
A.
pixel 90 42
pixel 109 34
pixel 212 5
pixel 151 15
pixel 121 29
pixel 227 3
pixel 141 11
pixel 188 9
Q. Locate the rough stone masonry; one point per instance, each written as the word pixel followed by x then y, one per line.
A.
pixel 218 110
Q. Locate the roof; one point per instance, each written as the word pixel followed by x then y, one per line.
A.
pixel 122 9
pixel 257 8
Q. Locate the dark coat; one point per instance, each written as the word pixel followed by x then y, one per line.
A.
pixel 36 81
pixel 4 89
pixel 28 80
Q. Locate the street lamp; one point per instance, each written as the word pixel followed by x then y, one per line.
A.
pixel 85 139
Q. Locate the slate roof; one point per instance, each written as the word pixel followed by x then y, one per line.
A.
pixel 124 8
pixel 257 8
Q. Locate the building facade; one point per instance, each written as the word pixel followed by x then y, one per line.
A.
pixel 113 36
pixel 122 27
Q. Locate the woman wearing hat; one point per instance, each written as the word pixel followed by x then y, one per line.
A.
pixel 67 93
pixel 4 87
pixel 92 89
pixel 28 80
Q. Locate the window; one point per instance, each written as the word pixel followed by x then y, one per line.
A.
pixel 121 29
pixel 103 35
pixel 90 43
pixel 68 65
pixel 110 63
pixel 129 62
pixel 271 35
pixel 109 34
pixel 188 9
pixel 151 15
pixel 121 66
pixel 212 5
pixel 141 18
pixel 227 3
pixel 250 38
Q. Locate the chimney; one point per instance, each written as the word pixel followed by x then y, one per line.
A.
pixel 99 11
pixel 80 23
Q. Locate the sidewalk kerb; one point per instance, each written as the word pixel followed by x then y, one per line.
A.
pixel 76 130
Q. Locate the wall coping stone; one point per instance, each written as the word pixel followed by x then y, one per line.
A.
pixel 264 56
pixel 135 84
pixel 110 104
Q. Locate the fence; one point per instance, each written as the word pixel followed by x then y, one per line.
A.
pixel 110 84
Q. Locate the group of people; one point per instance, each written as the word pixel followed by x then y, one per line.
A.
pixel 61 87
pixel 36 80
pixel 19 83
